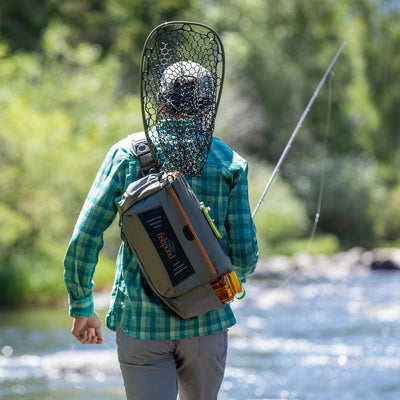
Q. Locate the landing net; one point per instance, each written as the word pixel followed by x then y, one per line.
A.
pixel 182 73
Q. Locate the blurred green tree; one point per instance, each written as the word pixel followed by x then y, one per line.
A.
pixel 21 22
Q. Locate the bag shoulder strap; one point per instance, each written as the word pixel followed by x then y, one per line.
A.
pixel 141 150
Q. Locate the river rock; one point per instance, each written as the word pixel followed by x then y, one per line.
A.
pixel 386 259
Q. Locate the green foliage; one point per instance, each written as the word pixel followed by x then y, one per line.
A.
pixel 322 244
pixel 117 27
pixel 35 276
pixel 21 22
pixel 29 276
pixel 390 215
pixel 58 120
pixel 352 196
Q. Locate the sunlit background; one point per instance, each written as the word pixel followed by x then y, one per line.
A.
pixel 321 315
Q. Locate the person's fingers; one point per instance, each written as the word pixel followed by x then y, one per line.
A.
pixel 82 336
pixel 87 337
pixel 99 335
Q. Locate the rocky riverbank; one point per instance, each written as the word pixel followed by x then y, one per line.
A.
pixel 335 266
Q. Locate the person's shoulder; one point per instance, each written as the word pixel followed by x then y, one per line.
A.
pixel 126 142
pixel 221 153
pixel 124 147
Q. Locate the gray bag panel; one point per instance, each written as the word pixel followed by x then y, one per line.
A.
pixel 141 189
pixel 185 306
pixel 211 244
pixel 197 301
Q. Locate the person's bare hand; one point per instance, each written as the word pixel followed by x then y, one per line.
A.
pixel 88 329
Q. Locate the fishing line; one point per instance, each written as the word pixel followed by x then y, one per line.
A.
pixel 323 165
pixel 108 346
pixel 80 378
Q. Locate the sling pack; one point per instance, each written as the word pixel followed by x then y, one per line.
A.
pixel 186 267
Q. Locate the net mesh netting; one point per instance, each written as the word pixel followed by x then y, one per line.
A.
pixel 182 73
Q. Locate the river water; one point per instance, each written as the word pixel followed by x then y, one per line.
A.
pixel 328 339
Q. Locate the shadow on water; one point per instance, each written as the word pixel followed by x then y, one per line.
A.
pixel 322 338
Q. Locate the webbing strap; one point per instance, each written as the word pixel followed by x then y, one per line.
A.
pixel 142 150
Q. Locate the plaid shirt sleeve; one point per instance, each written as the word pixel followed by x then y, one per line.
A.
pixel 97 214
pixel 240 226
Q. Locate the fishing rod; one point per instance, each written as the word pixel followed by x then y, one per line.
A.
pixel 300 122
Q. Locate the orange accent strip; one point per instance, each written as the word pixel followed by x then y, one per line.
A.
pixel 196 238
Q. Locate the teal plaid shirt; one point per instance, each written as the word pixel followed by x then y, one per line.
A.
pixel 222 187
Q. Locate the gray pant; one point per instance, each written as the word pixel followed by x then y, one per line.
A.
pixel 155 369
